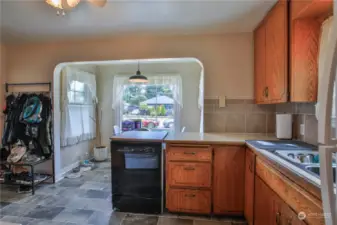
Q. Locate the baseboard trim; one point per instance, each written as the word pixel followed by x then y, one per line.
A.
pixel 65 170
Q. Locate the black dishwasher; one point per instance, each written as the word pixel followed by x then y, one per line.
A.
pixel 136 176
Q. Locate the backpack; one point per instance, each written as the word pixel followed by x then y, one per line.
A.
pixel 31 113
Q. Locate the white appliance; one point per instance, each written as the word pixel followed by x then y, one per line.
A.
pixel 284 126
pixel 326 137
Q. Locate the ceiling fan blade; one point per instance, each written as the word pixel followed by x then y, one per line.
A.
pixel 99 3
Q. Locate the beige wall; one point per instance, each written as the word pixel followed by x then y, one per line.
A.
pixel 228 58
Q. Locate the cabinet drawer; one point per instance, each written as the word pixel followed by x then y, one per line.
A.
pixel 191 201
pixel 185 174
pixel 189 153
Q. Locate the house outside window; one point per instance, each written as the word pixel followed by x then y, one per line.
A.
pixel 149 106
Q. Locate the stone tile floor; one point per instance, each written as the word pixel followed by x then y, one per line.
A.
pixel 84 201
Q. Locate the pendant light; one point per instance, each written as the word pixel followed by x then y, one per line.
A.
pixel 138 78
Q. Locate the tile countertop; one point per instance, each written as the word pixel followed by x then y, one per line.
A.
pixel 214 138
pixel 302 178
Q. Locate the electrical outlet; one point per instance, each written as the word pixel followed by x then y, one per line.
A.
pixel 222 101
pixel 302 129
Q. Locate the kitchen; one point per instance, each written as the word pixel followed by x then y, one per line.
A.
pixel 196 168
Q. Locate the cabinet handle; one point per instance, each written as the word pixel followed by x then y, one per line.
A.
pixel 289 221
pixel 250 167
pixel 189 168
pixel 190 195
pixel 267 92
pixel 278 218
pixel 264 92
pixel 189 153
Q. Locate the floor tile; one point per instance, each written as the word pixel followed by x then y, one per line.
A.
pixel 49 222
pixel 19 220
pixel 194 217
pixel 95 186
pixel 174 221
pixel 74 215
pixel 71 183
pixel 94 194
pixel 33 199
pixel 49 189
pixel 47 213
pixel 91 204
pixel 134 219
pixel 15 209
pixel 208 222
pixel 3 204
pixel 69 192
pixel 103 218
pixel 54 201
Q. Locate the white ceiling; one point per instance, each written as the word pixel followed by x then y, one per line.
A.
pixel 23 20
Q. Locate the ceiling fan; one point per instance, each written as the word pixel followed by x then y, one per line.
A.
pixel 69 4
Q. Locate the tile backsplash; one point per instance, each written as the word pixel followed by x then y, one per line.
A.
pixel 303 113
pixel 239 116
pixel 243 116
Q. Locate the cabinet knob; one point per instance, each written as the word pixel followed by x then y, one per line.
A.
pixel 250 166
pixel 189 153
pixel 189 168
pixel 278 215
pixel 190 195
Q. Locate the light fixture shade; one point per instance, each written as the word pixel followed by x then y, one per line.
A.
pixel 63 4
pixel 138 78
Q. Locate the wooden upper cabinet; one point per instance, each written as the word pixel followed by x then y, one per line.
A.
pixel 271 56
pixel 260 62
pixel 228 180
pixel 305 27
pixel 249 186
pixel 277 53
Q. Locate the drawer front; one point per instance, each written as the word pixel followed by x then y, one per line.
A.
pixel 185 174
pixel 191 201
pixel 189 153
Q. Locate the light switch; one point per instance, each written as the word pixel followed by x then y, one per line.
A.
pixel 222 101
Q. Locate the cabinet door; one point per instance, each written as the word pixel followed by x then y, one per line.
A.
pixel 289 217
pixel 277 53
pixel 267 210
pixel 185 174
pixel 191 201
pixel 249 186
pixel 228 180
pixel 260 63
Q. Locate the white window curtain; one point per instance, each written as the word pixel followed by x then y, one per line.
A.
pixel 324 40
pixel 78 114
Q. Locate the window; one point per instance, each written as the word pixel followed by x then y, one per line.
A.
pixel 154 106
pixel 79 106
pixel 76 92
pixel 148 106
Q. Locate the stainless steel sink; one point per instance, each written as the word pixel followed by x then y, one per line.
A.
pixel 301 157
pixel 305 159
pixel 316 170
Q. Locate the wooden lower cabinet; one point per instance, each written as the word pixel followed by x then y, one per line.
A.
pixel 265 209
pixel 190 201
pixel 228 180
pixel 270 209
pixel 249 186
